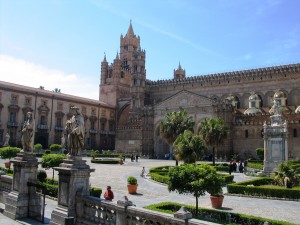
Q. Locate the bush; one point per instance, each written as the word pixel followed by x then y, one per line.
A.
pixel 254 188
pixel 55 148
pixel 9 152
pixel 106 161
pixel 41 175
pixel 131 180
pixel 96 192
pixel 213 215
pixel 260 152
pixel 38 147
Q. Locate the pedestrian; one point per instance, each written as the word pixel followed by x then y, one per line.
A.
pixel 230 167
pixel 109 195
pixel 136 158
pixel 241 168
pixel 132 158
pixel 143 172
pixel 245 165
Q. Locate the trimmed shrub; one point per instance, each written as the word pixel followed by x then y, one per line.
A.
pixel 9 152
pixel 106 161
pixel 41 175
pixel 38 147
pixel 260 152
pixel 131 180
pixel 55 148
pixel 255 188
pixel 213 215
pixel 96 192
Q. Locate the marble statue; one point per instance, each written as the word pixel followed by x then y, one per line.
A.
pixel 28 131
pixel 75 130
pixel 6 141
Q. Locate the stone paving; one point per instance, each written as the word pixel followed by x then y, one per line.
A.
pixel 150 192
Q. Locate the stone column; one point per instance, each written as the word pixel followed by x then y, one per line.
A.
pixel 23 200
pixel 73 177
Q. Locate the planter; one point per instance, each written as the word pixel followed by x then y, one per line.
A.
pixel 7 165
pixel 216 201
pixel 132 188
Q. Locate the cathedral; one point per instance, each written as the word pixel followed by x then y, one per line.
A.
pixel 244 99
pixel 130 108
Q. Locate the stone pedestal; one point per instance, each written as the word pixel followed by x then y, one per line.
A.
pixel 73 177
pixel 23 201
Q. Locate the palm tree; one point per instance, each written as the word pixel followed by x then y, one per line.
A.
pixel 287 175
pixel 174 124
pixel 189 147
pixel 214 132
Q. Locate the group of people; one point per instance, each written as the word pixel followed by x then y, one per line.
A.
pixel 237 166
pixel 134 157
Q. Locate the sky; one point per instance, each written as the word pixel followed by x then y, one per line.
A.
pixel 61 43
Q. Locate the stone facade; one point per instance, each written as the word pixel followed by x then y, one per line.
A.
pixel 242 98
pixel 51 111
pixel 131 107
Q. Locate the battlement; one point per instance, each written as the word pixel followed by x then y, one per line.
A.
pixel 243 75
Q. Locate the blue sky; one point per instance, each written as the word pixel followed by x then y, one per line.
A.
pixel 61 43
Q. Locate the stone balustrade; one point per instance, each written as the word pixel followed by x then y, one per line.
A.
pixel 91 210
pixel 6 183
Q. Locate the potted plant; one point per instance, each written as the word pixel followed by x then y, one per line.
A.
pixel 8 153
pixel 215 190
pixel 132 185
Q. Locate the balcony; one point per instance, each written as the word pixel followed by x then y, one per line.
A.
pixel 103 132
pixel 12 124
pixel 93 131
pixel 59 128
pixel 42 127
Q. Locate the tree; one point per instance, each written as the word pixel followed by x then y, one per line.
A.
pixel 52 160
pixel 195 179
pixel 189 147
pixel 57 90
pixel 214 132
pixel 174 124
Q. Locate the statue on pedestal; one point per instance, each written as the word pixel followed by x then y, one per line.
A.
pixel 75 130
pixel 28 131
pixel 6 141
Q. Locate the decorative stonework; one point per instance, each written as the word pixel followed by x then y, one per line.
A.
pixel 74 176
pixel 23 200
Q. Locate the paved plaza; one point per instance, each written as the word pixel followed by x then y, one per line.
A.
pixel 150 192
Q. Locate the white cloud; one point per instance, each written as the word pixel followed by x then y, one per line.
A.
pixel 29 74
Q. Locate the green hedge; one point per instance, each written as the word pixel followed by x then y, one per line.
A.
pixel 254 188
pixel 96 192
pixel 101 161
pixel 213 215
pixel 160 174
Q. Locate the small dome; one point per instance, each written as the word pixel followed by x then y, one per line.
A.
pixel 279 94
pixel 254 97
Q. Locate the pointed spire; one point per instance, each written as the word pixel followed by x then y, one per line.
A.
pixel 179 66
pixel 117 56
pixel 130 32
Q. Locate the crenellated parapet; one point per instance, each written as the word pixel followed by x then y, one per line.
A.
pixel 235 76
